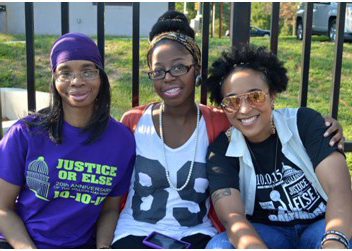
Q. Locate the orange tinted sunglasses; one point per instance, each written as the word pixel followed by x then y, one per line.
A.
pixel 255 99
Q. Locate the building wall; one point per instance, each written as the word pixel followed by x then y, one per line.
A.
pixel 2 21
pixel 82 18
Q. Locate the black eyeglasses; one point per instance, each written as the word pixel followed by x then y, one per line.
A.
pixel 175 71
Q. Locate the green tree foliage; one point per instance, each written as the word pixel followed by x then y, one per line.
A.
pixel 287 17
pixel 261 14
pixel 226 18
pixel 179 6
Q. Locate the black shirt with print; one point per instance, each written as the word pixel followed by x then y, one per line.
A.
pixel 284 196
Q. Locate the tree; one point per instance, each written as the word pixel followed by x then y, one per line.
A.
pixel 261 14
pixel 287 17
pixel 226 18
pixel 190 9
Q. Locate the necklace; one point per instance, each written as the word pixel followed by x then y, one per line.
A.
pixel 274 194
pixel 167 172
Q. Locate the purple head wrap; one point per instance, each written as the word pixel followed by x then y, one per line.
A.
pixel 74 46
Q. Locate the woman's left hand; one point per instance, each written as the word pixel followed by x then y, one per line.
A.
pixel 334 127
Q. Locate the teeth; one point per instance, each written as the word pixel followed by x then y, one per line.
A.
pixel 248 121
pixel 172 91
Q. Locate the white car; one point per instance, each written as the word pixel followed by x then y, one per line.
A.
pixel 324 20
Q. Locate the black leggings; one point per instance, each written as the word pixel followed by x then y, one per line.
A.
pixel 198 241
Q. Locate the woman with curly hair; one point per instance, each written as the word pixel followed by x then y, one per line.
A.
pixel 274 180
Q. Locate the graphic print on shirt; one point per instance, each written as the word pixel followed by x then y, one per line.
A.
pixel 37 178
pixel 83 182
pixel 150 200
pixel 291 195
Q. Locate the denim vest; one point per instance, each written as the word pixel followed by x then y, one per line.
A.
pixel 292 147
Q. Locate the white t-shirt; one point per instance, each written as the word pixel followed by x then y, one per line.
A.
pixel 151 204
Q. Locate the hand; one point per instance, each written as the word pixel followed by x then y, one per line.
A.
pixel 334 126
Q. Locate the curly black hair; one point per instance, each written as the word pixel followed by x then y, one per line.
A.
pixel 171 21
pixel 248 57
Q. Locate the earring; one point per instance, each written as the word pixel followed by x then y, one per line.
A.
pixel 228 133
pixel 273 128
pixel 199 80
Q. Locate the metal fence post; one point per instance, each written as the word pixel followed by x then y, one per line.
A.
pixel 101 30
pixel 30 57
pixel 274 27
pixel 240 24
pixel 335 89
pixel 205 50
pixel 307 37
pixel 135 54
pixel 171 5
pixel 65 27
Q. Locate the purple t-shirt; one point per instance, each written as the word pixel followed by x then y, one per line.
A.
pixel 63 186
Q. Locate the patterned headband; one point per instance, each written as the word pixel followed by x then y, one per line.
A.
pixel 185 40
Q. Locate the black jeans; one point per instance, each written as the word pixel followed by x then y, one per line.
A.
pixel 198 241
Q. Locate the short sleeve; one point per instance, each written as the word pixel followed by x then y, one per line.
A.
pixel 222 171
pixel 129 149
pixel 13 151
pixel 311 127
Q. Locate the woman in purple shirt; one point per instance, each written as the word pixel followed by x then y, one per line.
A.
pixel 64 168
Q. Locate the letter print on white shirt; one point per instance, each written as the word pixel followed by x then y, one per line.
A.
pixel 153 196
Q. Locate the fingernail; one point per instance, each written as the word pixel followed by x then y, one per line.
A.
pixel 326 134
pixel 332 143
pixel 327 123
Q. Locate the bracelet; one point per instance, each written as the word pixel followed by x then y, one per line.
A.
pixel 105 247
pixel 338 233
pixel 331 238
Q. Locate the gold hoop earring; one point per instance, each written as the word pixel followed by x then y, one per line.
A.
pixel 228 133
pixel 273 128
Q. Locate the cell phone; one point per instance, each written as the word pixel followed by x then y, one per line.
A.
pixel 161 241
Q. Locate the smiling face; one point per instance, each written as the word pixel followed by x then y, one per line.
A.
pixel 77 93
pixel 253 122
pixel 174 90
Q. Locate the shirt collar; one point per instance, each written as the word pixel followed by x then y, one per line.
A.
pixel 238 147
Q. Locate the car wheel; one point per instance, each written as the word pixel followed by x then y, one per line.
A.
pixel 266 35
pixel 300 30
pixel 332 30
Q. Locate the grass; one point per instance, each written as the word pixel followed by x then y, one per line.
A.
pixel 118 62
